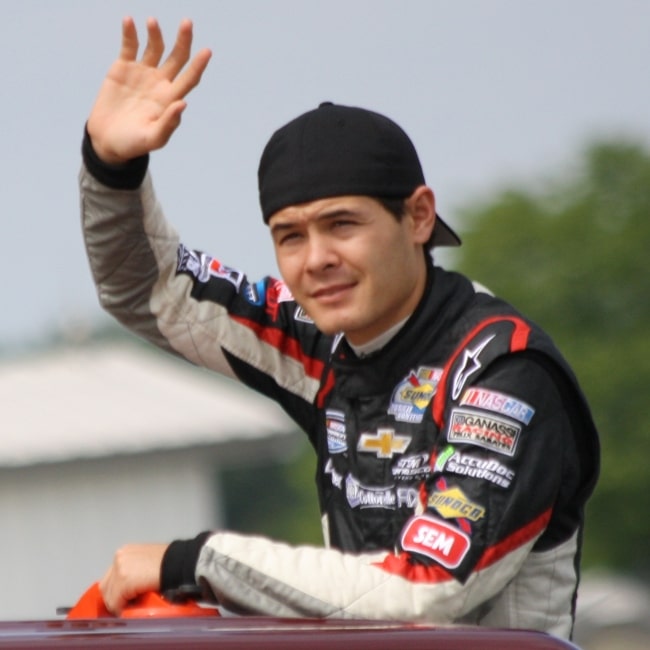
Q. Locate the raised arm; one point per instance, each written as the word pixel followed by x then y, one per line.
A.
pixel 140 103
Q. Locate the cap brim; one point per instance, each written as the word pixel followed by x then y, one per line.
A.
pixel 443 235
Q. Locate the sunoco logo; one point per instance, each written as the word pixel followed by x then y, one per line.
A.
pixel 453 504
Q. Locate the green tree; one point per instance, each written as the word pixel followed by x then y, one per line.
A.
pixel 278 500
pixel 572 256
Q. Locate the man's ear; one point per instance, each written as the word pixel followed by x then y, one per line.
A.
pixel 421 207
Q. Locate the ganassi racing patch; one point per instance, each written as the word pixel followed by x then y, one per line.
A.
pixel 436 539
pixel 487 431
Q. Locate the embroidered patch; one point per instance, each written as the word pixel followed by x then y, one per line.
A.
pixel 384 443
pixel 436 539
pixel 492 400
pixel 337 441
pixel 490 432
pixel 414 393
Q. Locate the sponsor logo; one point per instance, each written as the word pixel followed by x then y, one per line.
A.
pixel 219 270
pixel 469 366
pixel 407 497
pixel 442 458
pixel 255 293
pixel 202 267
pixel 489 432
pixel 337 479
pixel 413 394
pixel 436 539
pixel 452 503
pixel 193 263
pixel 492 400
pixel 276 293
pixel 413 467
pixel 387 497
pixel 488 469
pixel 384 443
pixel 337 441
pixel 361 496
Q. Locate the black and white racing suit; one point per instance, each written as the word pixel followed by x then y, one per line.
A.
pixel 453 464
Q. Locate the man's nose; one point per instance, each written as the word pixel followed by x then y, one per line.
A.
pixel 320 253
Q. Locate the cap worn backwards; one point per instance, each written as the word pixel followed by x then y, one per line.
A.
pixel 338 150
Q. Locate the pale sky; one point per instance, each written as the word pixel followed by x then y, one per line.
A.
pixel 491 91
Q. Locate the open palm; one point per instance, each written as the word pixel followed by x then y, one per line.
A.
pixel 140 103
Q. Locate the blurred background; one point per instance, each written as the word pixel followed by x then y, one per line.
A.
pixel 532 121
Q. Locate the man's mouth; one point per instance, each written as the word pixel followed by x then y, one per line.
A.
pixel 332 293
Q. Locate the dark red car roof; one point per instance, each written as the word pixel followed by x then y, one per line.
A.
pixel 262 633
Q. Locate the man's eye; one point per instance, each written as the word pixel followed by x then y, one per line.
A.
pixel 289 238
pixel 340 223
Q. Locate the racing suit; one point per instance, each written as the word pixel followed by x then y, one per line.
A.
pixel 453 464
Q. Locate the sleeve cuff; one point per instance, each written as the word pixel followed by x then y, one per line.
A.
pixel 127 176
pixel 179 562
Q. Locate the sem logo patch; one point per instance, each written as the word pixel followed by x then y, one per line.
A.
pixel 489 432
pixel 337 441
pixel 452 503
pixel 413 394
pixel 384 443
pixel 436 539
pixel 492 400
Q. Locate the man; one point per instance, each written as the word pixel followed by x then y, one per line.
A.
pixel 455 449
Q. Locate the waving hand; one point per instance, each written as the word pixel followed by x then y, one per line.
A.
pixel 140 103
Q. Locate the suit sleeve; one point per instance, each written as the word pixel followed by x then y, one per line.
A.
pixel 188 302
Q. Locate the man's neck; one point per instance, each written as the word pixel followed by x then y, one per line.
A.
pixel 366 349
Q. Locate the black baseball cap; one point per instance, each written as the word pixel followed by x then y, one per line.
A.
pixel 337 150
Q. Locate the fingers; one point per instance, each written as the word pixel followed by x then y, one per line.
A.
pixel 191 76
pixel 135 570
pixel 180 55
pixel 169 122
pixel 155 44
pixel 129 40
pixel 177 59
pixel 113 598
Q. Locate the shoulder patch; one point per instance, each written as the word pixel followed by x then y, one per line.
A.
pixel 492 400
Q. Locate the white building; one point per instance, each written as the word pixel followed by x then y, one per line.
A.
pixel 113 443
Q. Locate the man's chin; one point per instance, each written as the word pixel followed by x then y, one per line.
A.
pixel 328 325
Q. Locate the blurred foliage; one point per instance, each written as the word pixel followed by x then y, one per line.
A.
pixel 277 500
pixel 572 256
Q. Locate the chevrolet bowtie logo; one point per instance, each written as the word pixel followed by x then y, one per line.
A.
pixel 384 443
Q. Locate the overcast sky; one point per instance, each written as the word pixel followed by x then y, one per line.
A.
pixel 491 92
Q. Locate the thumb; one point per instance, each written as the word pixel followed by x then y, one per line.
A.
pixel 167 123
